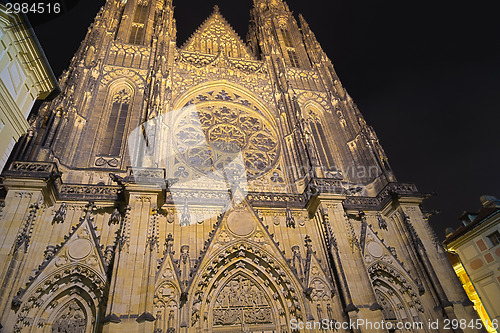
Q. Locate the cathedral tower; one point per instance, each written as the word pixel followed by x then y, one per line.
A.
pixel 214 186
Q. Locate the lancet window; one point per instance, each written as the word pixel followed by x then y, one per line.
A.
pixel 292 55
pixel 321 143
pixel 286 37
pixel 294 60
pixel 138 24
pixel 113 136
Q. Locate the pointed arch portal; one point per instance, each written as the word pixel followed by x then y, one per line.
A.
pixel 245 288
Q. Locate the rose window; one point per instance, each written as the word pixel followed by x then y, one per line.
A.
pixel 212 135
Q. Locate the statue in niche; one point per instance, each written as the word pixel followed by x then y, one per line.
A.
pixel 297 262
pixel 60 214
pixel 185 265
pixel 381 222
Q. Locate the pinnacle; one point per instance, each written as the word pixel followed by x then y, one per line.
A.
pixel 216 9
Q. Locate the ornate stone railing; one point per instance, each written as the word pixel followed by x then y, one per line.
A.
pixel 49 172
pixel 146 175
pixel 89 192
pixel 375 203
pixel 201 59
pixel 327 185
pixel 276 199
pixel 197 197
pixel 30 169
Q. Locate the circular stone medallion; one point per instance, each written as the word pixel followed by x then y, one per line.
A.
pixel 79 249
pixel 375 250
pixel 240 223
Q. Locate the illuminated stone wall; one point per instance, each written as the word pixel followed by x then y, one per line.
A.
pixel 220 186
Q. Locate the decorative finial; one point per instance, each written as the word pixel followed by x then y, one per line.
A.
pixel 216 9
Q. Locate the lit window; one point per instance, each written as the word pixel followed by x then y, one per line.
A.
pixel 494 238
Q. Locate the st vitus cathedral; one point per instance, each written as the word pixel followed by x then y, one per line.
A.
pixel 217 186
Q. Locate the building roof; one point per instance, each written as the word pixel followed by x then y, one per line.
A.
pixel 490 208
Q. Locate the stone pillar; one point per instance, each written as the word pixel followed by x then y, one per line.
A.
pixel 130 301
pixel 454 301
pixel 358 287
pixel 25 198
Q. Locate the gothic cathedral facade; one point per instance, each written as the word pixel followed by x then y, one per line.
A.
pixel 217 186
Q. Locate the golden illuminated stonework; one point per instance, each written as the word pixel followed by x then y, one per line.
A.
pixel 221 186
pixel 221 125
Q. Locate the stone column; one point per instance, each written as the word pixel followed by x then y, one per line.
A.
pixel 28 193
pixel 363 303
pixel 131 294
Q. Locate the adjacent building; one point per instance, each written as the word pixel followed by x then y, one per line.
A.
pixel 25 76
pixel 475 255
pixel 220 185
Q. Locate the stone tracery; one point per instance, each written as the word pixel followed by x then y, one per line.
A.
pixel 166 304
pixel 229 125
pixel 235 93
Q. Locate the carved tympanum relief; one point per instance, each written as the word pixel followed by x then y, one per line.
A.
pixel 241 302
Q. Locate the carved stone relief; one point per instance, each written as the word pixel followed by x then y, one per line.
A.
pixel 71 320
pixel 241 302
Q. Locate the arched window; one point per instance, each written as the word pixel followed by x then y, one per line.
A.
pixel 286 37
pixel 113 137
pixel 290 49
pixel 138 24
pixel 294 60
pixel 321 144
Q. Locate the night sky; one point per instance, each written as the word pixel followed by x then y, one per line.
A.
pixel 425 74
